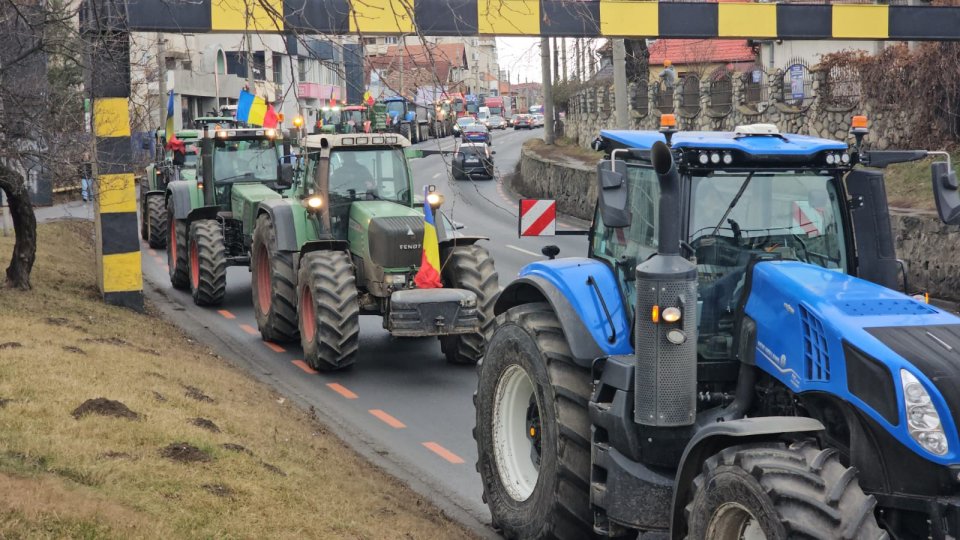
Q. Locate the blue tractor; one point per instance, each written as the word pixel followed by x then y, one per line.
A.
pixel 407 119
pixel 733 358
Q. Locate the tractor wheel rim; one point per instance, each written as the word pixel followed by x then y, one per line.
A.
pixel 194 265
pixel 733 521
pixel 307 316
pixel 515 450
pixel 263 280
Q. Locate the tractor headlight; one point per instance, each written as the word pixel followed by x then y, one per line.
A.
pixel 845 158
pixel 715 158
pixel 704 158
pixel 396 279
pixel 314 203
pixel 923 421
pixel 434 199
pixel 830 159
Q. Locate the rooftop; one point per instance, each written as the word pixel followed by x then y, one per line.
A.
pixel 786 144
pixel 700 51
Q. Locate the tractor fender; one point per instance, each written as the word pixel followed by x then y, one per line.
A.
pixel 563 283
pixel 179 193
pixel 204 212
pixel 324 245
pixel 281 213
pixel 715 437
pixel 459 241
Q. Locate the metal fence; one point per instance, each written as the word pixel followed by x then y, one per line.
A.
pixel 690 96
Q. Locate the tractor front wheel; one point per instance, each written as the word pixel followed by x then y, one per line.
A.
pixel 328 310
pixel 208 263
pixel 274 284
pixel 155 221
pixel 773 491
pixel 532 431
pixel 405 132
pixel 177 250
pixel 471 268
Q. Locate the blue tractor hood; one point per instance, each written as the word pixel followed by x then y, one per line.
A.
pixel 825 331
pixel 755 145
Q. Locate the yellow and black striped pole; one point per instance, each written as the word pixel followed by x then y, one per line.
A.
pixel 118 245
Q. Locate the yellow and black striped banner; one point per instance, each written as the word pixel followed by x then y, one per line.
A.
pixel 118 243
pixel 571 18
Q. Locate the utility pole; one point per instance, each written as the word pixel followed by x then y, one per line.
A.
pixel 547 90
pixel 578 75
pixel 620 84
pixel 162 78
pixel 556 62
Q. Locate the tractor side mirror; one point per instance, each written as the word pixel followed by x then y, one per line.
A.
pixel 945 192
pixel 613 193
pixel 285 174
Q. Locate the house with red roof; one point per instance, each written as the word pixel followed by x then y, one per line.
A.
pixel 701 56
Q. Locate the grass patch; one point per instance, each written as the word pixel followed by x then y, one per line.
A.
pixel 268 471
pixel 909 184
pixel 564 149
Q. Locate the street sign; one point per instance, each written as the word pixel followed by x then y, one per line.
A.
pixel 796 80
pixel 538 217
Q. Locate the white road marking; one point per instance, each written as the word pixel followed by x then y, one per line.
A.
pixel 436 175
pixel 521 250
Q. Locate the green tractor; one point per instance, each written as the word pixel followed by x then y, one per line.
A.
pixel 349 242
pixel 165 168
pixel 211 218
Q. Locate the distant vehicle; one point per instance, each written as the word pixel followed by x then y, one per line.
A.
pixel 523 121
pixel 461 123
pixel 477 133
pixel 499 106
pixel 356 119
pixel 538 120
pixel 483 115
pixel 472 160
pixel 496 122
pixel 536 109
pixel 513 120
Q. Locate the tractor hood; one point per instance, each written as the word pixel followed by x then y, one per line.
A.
pixel 825 331
pixel 244 199
pixel 390 235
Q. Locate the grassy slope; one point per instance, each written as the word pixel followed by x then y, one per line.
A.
pixel 909 184
pixel 104 477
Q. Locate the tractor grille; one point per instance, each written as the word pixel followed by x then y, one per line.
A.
pixel 666 376
pixel 816 359
pixel 396 241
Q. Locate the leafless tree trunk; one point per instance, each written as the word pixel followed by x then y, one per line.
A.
pixel 25 228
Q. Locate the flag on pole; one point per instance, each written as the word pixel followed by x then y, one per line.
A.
pixel 428 277
pixel 168 129
pixel 255 110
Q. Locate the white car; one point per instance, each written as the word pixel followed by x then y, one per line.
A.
pixel 538 120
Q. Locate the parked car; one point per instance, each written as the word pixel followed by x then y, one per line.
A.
pixel 538 120
pixel 472 160
pixel 513 120
pixel 523 121
pixel 477 133
pixel 496 122
pixel 461 123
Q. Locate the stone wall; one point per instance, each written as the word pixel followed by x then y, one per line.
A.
pixel 929 247
pixel 723 100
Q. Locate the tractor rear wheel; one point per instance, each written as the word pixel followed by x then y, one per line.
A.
pixel 328 310
pixel 177 250
pixel 532 431
pixel 776 492
pixel 156 222
pixel 471 268
pixel 208 263
pixel 405 132
pixel 274 284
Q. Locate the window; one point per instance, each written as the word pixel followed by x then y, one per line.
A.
pixel 170 63
pixel 366 174
pixel 369 41
pixel 392 40
pixel 277 68
pixel 187 65
pixel 253 160
pixel 236 64
pixel 259 66
pixel 302 69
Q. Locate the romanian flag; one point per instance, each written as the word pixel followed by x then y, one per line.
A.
pixel 255 110
pixel 168 129
pixel 428 277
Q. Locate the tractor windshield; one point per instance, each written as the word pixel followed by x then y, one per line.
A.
pixel 395 106
pixel 245 160
pixel 735 218
pixel 355 116
pixel 368 173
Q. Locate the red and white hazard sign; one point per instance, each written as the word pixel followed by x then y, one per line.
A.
pixel 807 218
pixel 538 217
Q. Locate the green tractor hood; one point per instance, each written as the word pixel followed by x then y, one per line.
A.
pixel 389 235
pixel 244 199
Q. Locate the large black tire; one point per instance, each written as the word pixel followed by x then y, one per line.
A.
pixel 405 132
pixel 144 228
pixel 156 222
pixel 274 284
pixel 328 310
pixel 177 250
pixel 529 340
pixel 799 491
pixel 471 268
pixel 208 263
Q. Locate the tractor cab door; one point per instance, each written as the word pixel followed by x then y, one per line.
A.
pixel 876 259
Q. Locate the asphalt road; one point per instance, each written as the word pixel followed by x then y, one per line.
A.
pixel 401 405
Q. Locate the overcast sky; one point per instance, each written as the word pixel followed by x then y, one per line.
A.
pixel 520 56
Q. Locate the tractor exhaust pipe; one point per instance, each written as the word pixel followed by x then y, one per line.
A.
pixel 666 317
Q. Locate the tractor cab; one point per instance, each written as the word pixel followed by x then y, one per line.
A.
pixel 216 122
pixel 356 119
pixel 240 156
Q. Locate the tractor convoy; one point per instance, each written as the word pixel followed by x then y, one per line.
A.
pixel 731 360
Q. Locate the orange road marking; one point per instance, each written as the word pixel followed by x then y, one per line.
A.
pixel 387 419
pixel 303 365
pixel 342 390
pixel 249 329
pixel 443 452
pixel 274 347
pixel 226 314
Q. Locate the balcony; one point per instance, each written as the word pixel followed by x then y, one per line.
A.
pixel 322 92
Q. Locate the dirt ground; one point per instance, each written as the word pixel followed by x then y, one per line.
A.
pixel 114 425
